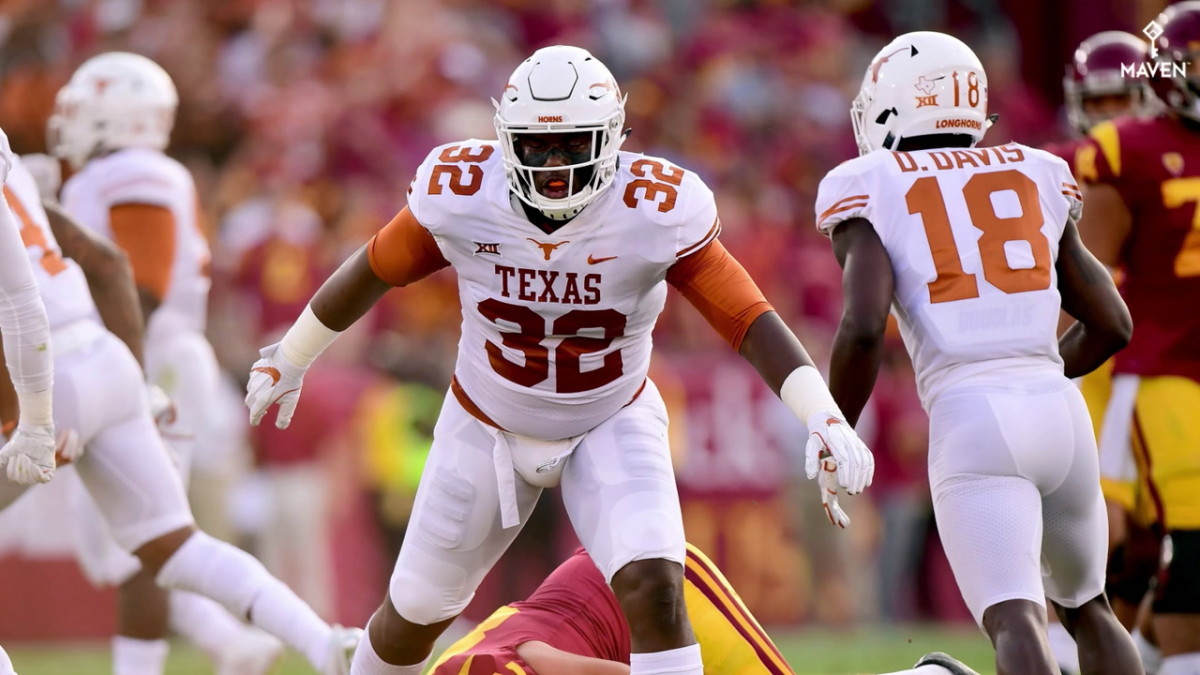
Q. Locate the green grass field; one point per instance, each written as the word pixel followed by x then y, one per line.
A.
pixel 811 652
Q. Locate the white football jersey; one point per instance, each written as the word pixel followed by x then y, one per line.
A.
pixel 61 282
pixel 556 327
pixel 973 237
pixel 144 176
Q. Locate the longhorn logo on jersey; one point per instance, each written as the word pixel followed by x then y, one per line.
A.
pixel 547 247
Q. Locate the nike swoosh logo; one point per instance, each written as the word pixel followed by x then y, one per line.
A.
pixel 269 370
pixel 592 260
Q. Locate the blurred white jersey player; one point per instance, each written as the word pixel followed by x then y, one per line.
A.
pixel 963 244
pixel 112 121
pixel 100 394
pixel 28 457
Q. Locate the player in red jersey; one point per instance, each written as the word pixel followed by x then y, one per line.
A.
pixel 1096 90
pixel 573 625
pixel 1142 179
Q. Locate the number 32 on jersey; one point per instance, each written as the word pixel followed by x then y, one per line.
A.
pixel 579 333
pixel 926 200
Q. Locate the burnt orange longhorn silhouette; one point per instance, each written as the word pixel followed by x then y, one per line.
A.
pixel 547 248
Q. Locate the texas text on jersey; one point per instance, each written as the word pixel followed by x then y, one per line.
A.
pixel 556 327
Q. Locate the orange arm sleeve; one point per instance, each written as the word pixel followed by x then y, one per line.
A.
pixel 717 285
pixel 404 251
pixel 147 235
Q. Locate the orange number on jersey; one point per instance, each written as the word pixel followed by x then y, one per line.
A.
pixel 457 185
pixel 571 378
pixel 668 180
pixel 32 235
pixel 1178 192
pixel 998 231
pixel 952 282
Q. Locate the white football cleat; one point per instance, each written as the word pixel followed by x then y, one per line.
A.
pixel 252 653
pixel 342 643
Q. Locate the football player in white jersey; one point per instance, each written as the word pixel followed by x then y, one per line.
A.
pixel 126 467
pixel 975 250
pixel 562 245
pixel 28 457
pixel 111 123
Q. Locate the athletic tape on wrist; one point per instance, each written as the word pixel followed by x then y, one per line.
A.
pixel 805 393
pixel 306 339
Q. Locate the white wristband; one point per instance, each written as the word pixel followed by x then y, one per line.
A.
pixel 37 408
pixel 804 391
pixel 306 339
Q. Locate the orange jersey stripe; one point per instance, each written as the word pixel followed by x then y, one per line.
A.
pixel 18 208
pixel 708 236
pixel 709 581
pixel 835 209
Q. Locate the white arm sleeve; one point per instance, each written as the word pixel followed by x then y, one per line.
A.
pixel 24 324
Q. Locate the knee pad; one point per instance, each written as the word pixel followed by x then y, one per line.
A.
pixel 429 595
pixel 1133 565
pixel 1178 589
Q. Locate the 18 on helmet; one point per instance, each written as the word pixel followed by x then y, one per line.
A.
pixel 921 83
pixel 113 101
pixel 1177 82
pixel 561 90
pixel 1096 70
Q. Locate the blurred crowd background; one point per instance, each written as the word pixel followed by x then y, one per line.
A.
pixel 303 120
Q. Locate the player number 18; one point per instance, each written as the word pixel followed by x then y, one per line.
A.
pixel 925 199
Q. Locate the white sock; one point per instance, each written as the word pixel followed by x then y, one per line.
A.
pixel 1181 664
pixel 1152 657
pixel 6 666
pixel 367 662
pixel 203 622
pixel 681 661
pixel 139 657
pixel 1062 646
pixel 923 670
pixel 238 581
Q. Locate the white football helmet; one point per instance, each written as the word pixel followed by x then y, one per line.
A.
pixel 115 100
pixel 919 84
pixel 561 89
